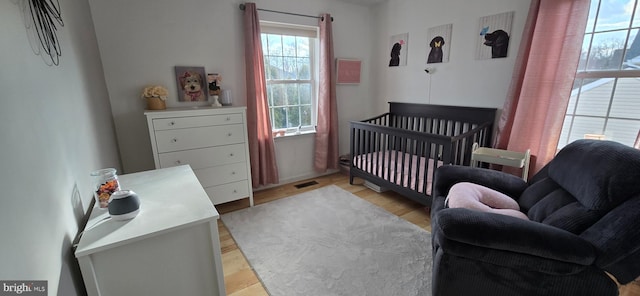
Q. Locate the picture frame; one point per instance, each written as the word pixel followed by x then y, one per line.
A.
pixel 398 50
pixel 213 79
pixel 348 71
pixel 494 35
pixel 191 84
pixel 439 44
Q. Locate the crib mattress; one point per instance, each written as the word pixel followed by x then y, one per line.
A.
pixel 400 168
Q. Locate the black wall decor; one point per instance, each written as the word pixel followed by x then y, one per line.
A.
pixel 45 14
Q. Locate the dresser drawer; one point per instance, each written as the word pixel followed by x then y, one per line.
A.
pixel 228 192
pixel 196 121
pixel 199 137
pixel 204 157
pixel 222 174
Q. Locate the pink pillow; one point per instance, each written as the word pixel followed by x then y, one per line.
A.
pixel 476 197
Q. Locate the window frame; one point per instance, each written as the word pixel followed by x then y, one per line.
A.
pixel 311 32
pixel 584 73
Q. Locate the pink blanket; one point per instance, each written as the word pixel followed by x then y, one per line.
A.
pixel 390 163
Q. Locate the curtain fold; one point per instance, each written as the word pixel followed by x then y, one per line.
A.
pixel 542 80
pixel 264 169
pixel 326 138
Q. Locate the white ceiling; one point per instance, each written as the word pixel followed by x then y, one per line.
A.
pixel 363 2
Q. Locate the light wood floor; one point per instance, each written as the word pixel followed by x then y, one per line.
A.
pixel 239 278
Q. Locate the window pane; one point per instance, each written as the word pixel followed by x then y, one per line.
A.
pixel 564 135
pixel 265 44
pixel 626 102
pixel 305 115
pixel 293 116
pixel 594 98
pixel 289 46
pixel 582 64
pixel 274 43
pixel 606 50
pixel 304 69
pixel 276 67
pixel 289 68
pixel 585 125
pixel 636 15
pixel 591 21
pixel 278 95
pixel 267 73
pixel 613 17
pixel 270 94
pixel 292 94
pixel 302 46
pixel 632 57
pixel 623 131
pixel 279 120
pixel 305 93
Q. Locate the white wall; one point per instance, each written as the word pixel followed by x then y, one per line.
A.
pixel 56 127
pixel 463 80
pixel 141 42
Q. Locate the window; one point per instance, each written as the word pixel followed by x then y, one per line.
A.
pixel 290 70
pixel 605 100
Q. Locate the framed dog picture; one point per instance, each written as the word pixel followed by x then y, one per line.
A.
pixel 494 35
pixel 439 39
pixel 191 83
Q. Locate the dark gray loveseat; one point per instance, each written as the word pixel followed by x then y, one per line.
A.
pixel 584 208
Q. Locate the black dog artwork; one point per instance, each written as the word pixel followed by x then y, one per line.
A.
pixel 395 55
pixel 435 55
pixel 498 40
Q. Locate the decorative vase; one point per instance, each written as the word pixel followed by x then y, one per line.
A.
pixel 226 99
pixel 155 103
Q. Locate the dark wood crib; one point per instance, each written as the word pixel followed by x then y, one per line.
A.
pixel 400 150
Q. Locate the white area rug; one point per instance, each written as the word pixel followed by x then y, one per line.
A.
pixel 330 242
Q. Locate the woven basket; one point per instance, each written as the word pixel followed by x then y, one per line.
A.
pixel 155 104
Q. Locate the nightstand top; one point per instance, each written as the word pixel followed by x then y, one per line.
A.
pixel 170 198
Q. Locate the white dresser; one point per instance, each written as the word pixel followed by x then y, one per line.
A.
pixel 172 247
pixel 212 140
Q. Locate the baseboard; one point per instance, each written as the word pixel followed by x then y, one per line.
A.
pixel 296 179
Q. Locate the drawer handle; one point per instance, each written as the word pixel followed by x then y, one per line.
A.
pixel 235 191
pixel 233 173
pixel 228 118
pixel 231 154
pixel 229 134
pixel 174 140
pixel 172 123
pixel 178 162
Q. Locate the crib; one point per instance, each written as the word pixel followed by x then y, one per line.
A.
pixel 399 150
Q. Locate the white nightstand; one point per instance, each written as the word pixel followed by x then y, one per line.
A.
pixel 171 248
pixel 501 157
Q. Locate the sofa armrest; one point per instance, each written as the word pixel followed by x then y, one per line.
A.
pixel 447 176
pixel 505 233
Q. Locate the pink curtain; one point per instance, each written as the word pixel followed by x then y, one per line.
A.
pixel 545 68
pixel 264 169
pixel 326 141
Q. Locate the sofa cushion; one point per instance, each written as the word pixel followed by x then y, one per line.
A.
pixel 599 174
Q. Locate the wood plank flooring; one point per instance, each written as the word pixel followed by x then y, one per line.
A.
pixel 239 278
